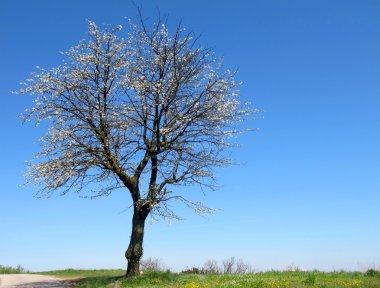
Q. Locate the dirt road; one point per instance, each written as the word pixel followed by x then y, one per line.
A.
pixel 30 281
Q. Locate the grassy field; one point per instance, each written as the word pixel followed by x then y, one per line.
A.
pixel 273 279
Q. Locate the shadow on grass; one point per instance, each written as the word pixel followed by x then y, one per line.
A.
pixel 96 281
pixel 149 278
pixel 40 285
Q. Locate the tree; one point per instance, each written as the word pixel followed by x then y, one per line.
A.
pixel 152 264
pixel 228 265
pixel 211 267
pixel 242 267
pixel 148 112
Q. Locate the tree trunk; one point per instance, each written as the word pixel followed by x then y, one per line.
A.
pixel 135 248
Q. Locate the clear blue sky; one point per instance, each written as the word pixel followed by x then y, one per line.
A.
pixel 308 192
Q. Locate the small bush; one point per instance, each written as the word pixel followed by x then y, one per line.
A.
pixel 193 270
pixel 152 264
pixel 12 270
pixel 211 267
pixel 372 273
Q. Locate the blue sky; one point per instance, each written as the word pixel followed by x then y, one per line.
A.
pixel 307 192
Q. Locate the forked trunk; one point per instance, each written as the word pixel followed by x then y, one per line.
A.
pixel 135 248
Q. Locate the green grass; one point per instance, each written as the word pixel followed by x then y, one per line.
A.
pixel 12 270
pixel 273 279
pixel 72 273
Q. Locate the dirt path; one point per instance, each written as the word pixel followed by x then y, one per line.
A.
pixel 30 281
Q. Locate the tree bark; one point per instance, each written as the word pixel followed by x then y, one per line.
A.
pixel 135 248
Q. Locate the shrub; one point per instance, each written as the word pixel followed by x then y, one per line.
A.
pixel 372 273
pixel 229 266
pixel 211 267
pixel 12 270
pixel 152 264
pixel 193 270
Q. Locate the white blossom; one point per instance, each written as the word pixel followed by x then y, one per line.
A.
pixel 146 112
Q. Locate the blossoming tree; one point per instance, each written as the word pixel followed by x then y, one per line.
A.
pixel 146 112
